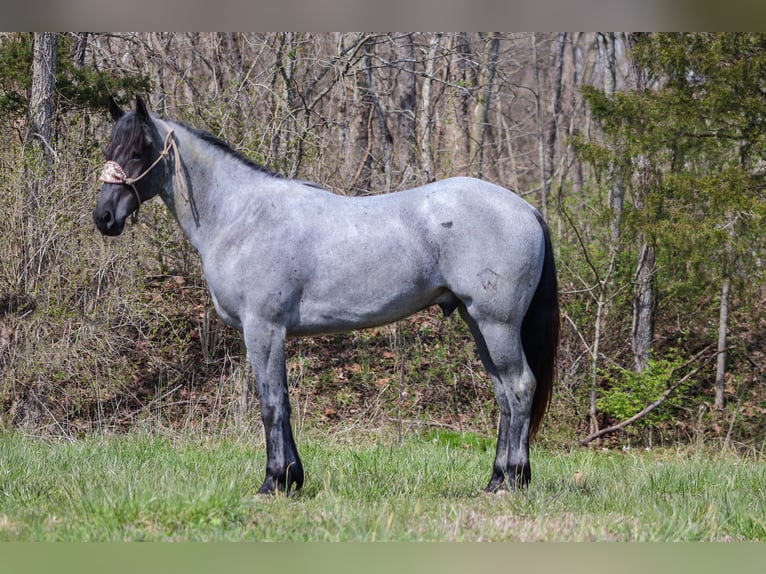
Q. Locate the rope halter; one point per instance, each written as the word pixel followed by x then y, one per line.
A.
pixel 114 174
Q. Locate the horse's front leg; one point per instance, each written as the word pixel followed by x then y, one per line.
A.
pixel 266 349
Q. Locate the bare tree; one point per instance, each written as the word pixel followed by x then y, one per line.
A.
pixel 723 317
pixel 362 138
pixel 408 99
pixel 426 117
pixel 41 93
pixel 380 111
pixel 484 102
pixel 557 64
pixel 642 330
pixel 723 321
pixel 538 92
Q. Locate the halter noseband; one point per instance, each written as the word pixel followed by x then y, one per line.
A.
pixel 114 174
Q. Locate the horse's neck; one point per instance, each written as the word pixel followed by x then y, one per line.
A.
pixel 193 172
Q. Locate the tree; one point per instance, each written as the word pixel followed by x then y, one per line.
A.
pixel 484 103
pixel 37 70
pixel 41 92
pixel 408 99
pixel 688 142
pixel 426 118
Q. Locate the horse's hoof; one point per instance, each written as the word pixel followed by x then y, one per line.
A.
pixel 286 483
pixel 268 487
pixel 522 475
pixel 497 484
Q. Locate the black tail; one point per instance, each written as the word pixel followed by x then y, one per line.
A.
pixel 540 333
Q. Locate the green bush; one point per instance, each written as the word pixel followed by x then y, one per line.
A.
pixel 627 392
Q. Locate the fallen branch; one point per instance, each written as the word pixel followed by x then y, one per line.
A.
pixel 649 408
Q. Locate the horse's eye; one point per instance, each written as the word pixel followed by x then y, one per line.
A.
pixel 135 155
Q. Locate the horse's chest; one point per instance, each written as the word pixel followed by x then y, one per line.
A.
pixel 229 315
pixel 227 297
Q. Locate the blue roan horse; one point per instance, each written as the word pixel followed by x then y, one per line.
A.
pixel 286 258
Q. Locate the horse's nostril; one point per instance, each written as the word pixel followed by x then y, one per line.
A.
pixel 103 220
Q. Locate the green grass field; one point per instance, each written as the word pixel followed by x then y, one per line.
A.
pixel 364 487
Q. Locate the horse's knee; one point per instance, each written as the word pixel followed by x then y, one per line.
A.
pixel 275 410
pixel 270 415
pixel 522 389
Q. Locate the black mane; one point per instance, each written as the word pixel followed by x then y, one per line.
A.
pixel 228 150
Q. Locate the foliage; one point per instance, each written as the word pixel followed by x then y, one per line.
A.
pixel 691 145
pixel 687 140
pixel 78 88
pixel 627 392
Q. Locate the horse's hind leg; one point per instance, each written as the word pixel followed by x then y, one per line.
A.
pixel 500 349
pixel 497 481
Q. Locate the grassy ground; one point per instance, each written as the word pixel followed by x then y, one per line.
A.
pixel 365 487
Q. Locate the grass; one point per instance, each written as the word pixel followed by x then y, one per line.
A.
pixel 142 486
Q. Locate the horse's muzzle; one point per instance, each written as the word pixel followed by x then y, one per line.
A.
pixel 106 222
pixel 115 204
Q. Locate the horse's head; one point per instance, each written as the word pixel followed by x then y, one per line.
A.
pixel 131 174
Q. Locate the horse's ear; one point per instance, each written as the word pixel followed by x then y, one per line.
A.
pixel 114 109
pixel 143 113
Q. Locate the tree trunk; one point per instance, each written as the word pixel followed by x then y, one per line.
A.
pixel 481 112
pixel 385 135
pixel 41 93
pixel 361 129
pixel 407 104
pixel 536 65
pixel 595 351
pixel 289 136
pixel 466 80
pixel 33 233
pixel 426 116
pixel 723 323
pixel 610 62
pixel 555 112
pixel 575 79
pixel 608 57
pixel 80 49
pixel 642 332
pixel 617 191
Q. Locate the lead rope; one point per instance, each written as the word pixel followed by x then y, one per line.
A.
pixel 113 172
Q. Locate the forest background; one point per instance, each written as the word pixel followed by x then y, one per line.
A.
pixel 645 152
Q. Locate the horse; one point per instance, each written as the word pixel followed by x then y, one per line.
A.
pixel 286 258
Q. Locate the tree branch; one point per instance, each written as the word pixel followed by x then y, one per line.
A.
pixel 649 408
